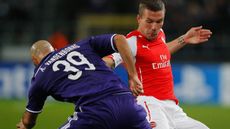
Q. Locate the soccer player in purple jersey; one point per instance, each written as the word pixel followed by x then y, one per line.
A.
pixel 77 74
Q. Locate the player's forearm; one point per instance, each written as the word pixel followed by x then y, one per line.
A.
pixel 29 120
pixel 125 52
pixel 176 44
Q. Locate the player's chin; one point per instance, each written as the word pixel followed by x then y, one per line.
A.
pixel 151 36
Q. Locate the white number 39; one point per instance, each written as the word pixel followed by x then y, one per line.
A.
pixel 72 68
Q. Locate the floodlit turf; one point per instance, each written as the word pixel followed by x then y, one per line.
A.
pixel 215 117
pixel 56 113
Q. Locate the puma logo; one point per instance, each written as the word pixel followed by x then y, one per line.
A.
pixel 145 46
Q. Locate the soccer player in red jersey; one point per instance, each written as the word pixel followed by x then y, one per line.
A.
pixel 152 55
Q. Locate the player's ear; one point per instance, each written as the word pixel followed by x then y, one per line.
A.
pixel 138 18
pixel 35 60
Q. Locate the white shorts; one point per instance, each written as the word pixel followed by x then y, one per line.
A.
pixel 167 114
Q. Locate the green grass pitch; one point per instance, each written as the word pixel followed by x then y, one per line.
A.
pixel 55 114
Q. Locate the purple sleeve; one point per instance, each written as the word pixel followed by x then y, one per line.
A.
pixel 36 98
pixel 103 44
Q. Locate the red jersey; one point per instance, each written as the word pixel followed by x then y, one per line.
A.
pixel 153 65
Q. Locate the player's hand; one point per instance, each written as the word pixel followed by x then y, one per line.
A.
pixel 197 35
pixel 135 86
pixel 20 125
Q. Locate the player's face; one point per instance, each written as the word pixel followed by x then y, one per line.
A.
pixel 150 23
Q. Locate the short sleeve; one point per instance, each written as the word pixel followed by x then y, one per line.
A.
pixel 103 45
pixel 36 98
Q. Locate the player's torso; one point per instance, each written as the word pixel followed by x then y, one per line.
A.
pixel 153 67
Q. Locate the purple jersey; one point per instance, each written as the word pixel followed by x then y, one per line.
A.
pixel 75 74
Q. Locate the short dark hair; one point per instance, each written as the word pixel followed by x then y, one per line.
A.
pixel 153 5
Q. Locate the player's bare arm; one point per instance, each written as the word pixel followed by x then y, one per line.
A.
pixel 195 35
pixel 125 52
pixel 28 121
pixel 136 90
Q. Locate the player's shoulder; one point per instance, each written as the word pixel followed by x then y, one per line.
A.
pixel 161 33
pixel 132 36
pixel 132 39
pixel 132 33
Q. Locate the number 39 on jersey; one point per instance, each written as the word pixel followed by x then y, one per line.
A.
pixel 70 65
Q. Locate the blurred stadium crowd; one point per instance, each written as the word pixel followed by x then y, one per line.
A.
pixel 24 21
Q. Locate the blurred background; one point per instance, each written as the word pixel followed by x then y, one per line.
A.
pixel 201 72
pixel 25 21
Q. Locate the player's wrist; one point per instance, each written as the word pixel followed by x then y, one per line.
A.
pixel 181 40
